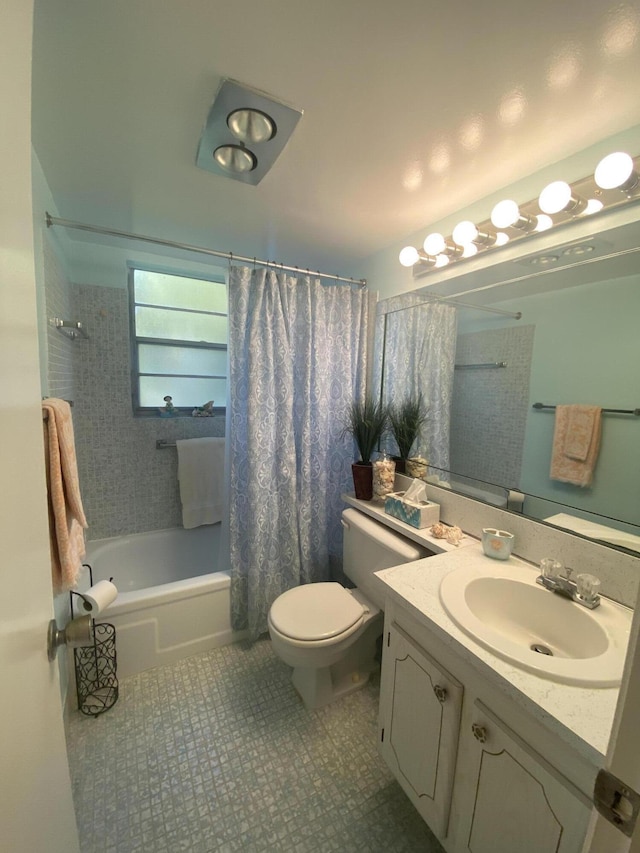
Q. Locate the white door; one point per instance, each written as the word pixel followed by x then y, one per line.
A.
pixel 623 757
pixel 36 809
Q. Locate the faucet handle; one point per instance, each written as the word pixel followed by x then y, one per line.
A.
pixel 550 568
pixel 588 586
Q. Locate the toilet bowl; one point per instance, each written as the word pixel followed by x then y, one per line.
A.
pixel 329 634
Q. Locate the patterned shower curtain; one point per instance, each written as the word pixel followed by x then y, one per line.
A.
pixel 297 358
pixel 415 348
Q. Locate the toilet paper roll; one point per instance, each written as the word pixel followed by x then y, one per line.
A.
pixel 98 597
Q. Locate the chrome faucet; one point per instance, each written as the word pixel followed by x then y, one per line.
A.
pixel 583 590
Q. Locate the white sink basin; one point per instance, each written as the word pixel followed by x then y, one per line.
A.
pixel 506 611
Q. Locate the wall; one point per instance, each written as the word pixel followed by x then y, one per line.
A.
pixel 127 485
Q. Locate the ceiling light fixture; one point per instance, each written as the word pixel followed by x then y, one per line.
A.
pixel 558 197
pixel 506 214
pixel 467 232
pixel 593 206
pixel 245 132
pixel 616 172
pixel 409 256
pixel 543 222
pixel 235 159
pixel 515 222
pixel 251 126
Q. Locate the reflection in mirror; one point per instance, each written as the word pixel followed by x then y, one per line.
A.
pixel 577 343
pixel 414 357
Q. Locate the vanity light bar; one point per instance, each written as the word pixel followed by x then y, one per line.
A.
pixel 616 181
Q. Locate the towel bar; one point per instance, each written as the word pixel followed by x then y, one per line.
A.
pixel 635 412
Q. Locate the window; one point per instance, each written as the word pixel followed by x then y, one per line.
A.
pixel 179 340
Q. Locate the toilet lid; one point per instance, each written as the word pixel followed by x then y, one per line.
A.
pixel 315 611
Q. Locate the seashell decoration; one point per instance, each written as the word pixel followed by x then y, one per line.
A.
pixel 453 534
pixel 384 472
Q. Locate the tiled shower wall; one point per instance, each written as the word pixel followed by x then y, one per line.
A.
pixel 127 485
pixel 60 349
pixel 490 405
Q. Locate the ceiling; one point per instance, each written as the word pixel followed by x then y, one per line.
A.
pixel 412 110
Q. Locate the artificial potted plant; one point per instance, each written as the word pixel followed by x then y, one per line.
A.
pixel 406 419
pixel 366 420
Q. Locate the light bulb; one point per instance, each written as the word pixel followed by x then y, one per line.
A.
pixel 505 213
pixel 555 197
pixel 408 256
pixel 614 171
pixel 470 250
pixel 464 233
pixel 442 261
pixel 543 222
pixel 502 238
pixel 593 206
pixel 434 244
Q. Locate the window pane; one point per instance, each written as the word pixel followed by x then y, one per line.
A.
pixel 178 325
pixel 186 393
pixel 192 360
pixel 177 291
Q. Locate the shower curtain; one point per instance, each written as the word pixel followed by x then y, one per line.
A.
pixel 297 358
pixel 414 353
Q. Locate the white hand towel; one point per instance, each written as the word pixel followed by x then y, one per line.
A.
pixel 201 478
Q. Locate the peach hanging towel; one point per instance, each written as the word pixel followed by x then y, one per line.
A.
pixel 66 514
pixel 576 443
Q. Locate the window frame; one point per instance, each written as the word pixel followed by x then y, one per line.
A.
pixel 135 340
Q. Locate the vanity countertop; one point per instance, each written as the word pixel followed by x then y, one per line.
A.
pixel 580 716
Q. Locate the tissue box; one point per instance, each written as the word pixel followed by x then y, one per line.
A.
pixel 417 514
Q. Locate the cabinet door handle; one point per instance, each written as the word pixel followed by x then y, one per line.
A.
pixel 441 692
pixel 479 732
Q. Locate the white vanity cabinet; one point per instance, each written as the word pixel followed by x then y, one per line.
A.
pixel 508 797
pixel 483 774
pixel 420 707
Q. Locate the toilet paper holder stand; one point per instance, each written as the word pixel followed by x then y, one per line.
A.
pixel 94 648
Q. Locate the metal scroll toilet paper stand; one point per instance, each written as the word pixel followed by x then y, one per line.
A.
pixel 96 666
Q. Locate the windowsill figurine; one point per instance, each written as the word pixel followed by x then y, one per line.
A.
pixel 205 411
pixel 169 410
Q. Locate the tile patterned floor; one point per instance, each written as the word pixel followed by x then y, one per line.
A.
pixel 217 753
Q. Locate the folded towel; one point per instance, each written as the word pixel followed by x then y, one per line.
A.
pixel 201 477
pixel 581 427
pixel 66 514
pixel 576 443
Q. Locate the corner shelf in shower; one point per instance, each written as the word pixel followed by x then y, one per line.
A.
pixel 72 329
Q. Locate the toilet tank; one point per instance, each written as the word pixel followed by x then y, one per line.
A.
pixel 368 547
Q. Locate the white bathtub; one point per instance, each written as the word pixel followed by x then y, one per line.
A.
pixel 171 601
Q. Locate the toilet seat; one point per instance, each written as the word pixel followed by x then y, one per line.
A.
pixel 314 612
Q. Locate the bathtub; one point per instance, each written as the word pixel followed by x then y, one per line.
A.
pixel 171 602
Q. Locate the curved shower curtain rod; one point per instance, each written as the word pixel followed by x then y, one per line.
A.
pixel 173 244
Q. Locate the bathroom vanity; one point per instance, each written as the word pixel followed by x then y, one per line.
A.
pixel 496 758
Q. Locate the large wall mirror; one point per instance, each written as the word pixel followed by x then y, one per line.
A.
pixel 577 341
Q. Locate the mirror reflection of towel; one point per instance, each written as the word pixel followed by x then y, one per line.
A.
pixel 576 443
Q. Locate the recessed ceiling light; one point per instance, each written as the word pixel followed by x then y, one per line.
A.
pixel 251 126
pixel 235 159
pixel 544 260
pixel 579 250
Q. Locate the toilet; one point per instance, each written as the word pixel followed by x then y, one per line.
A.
pixel 328 633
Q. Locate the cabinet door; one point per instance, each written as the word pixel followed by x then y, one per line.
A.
pixel 511 799
pixel 420 705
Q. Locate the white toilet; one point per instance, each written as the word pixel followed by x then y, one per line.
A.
pixel 327 633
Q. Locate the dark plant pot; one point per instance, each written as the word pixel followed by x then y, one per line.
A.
pixel 401 466
pixel 363 480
